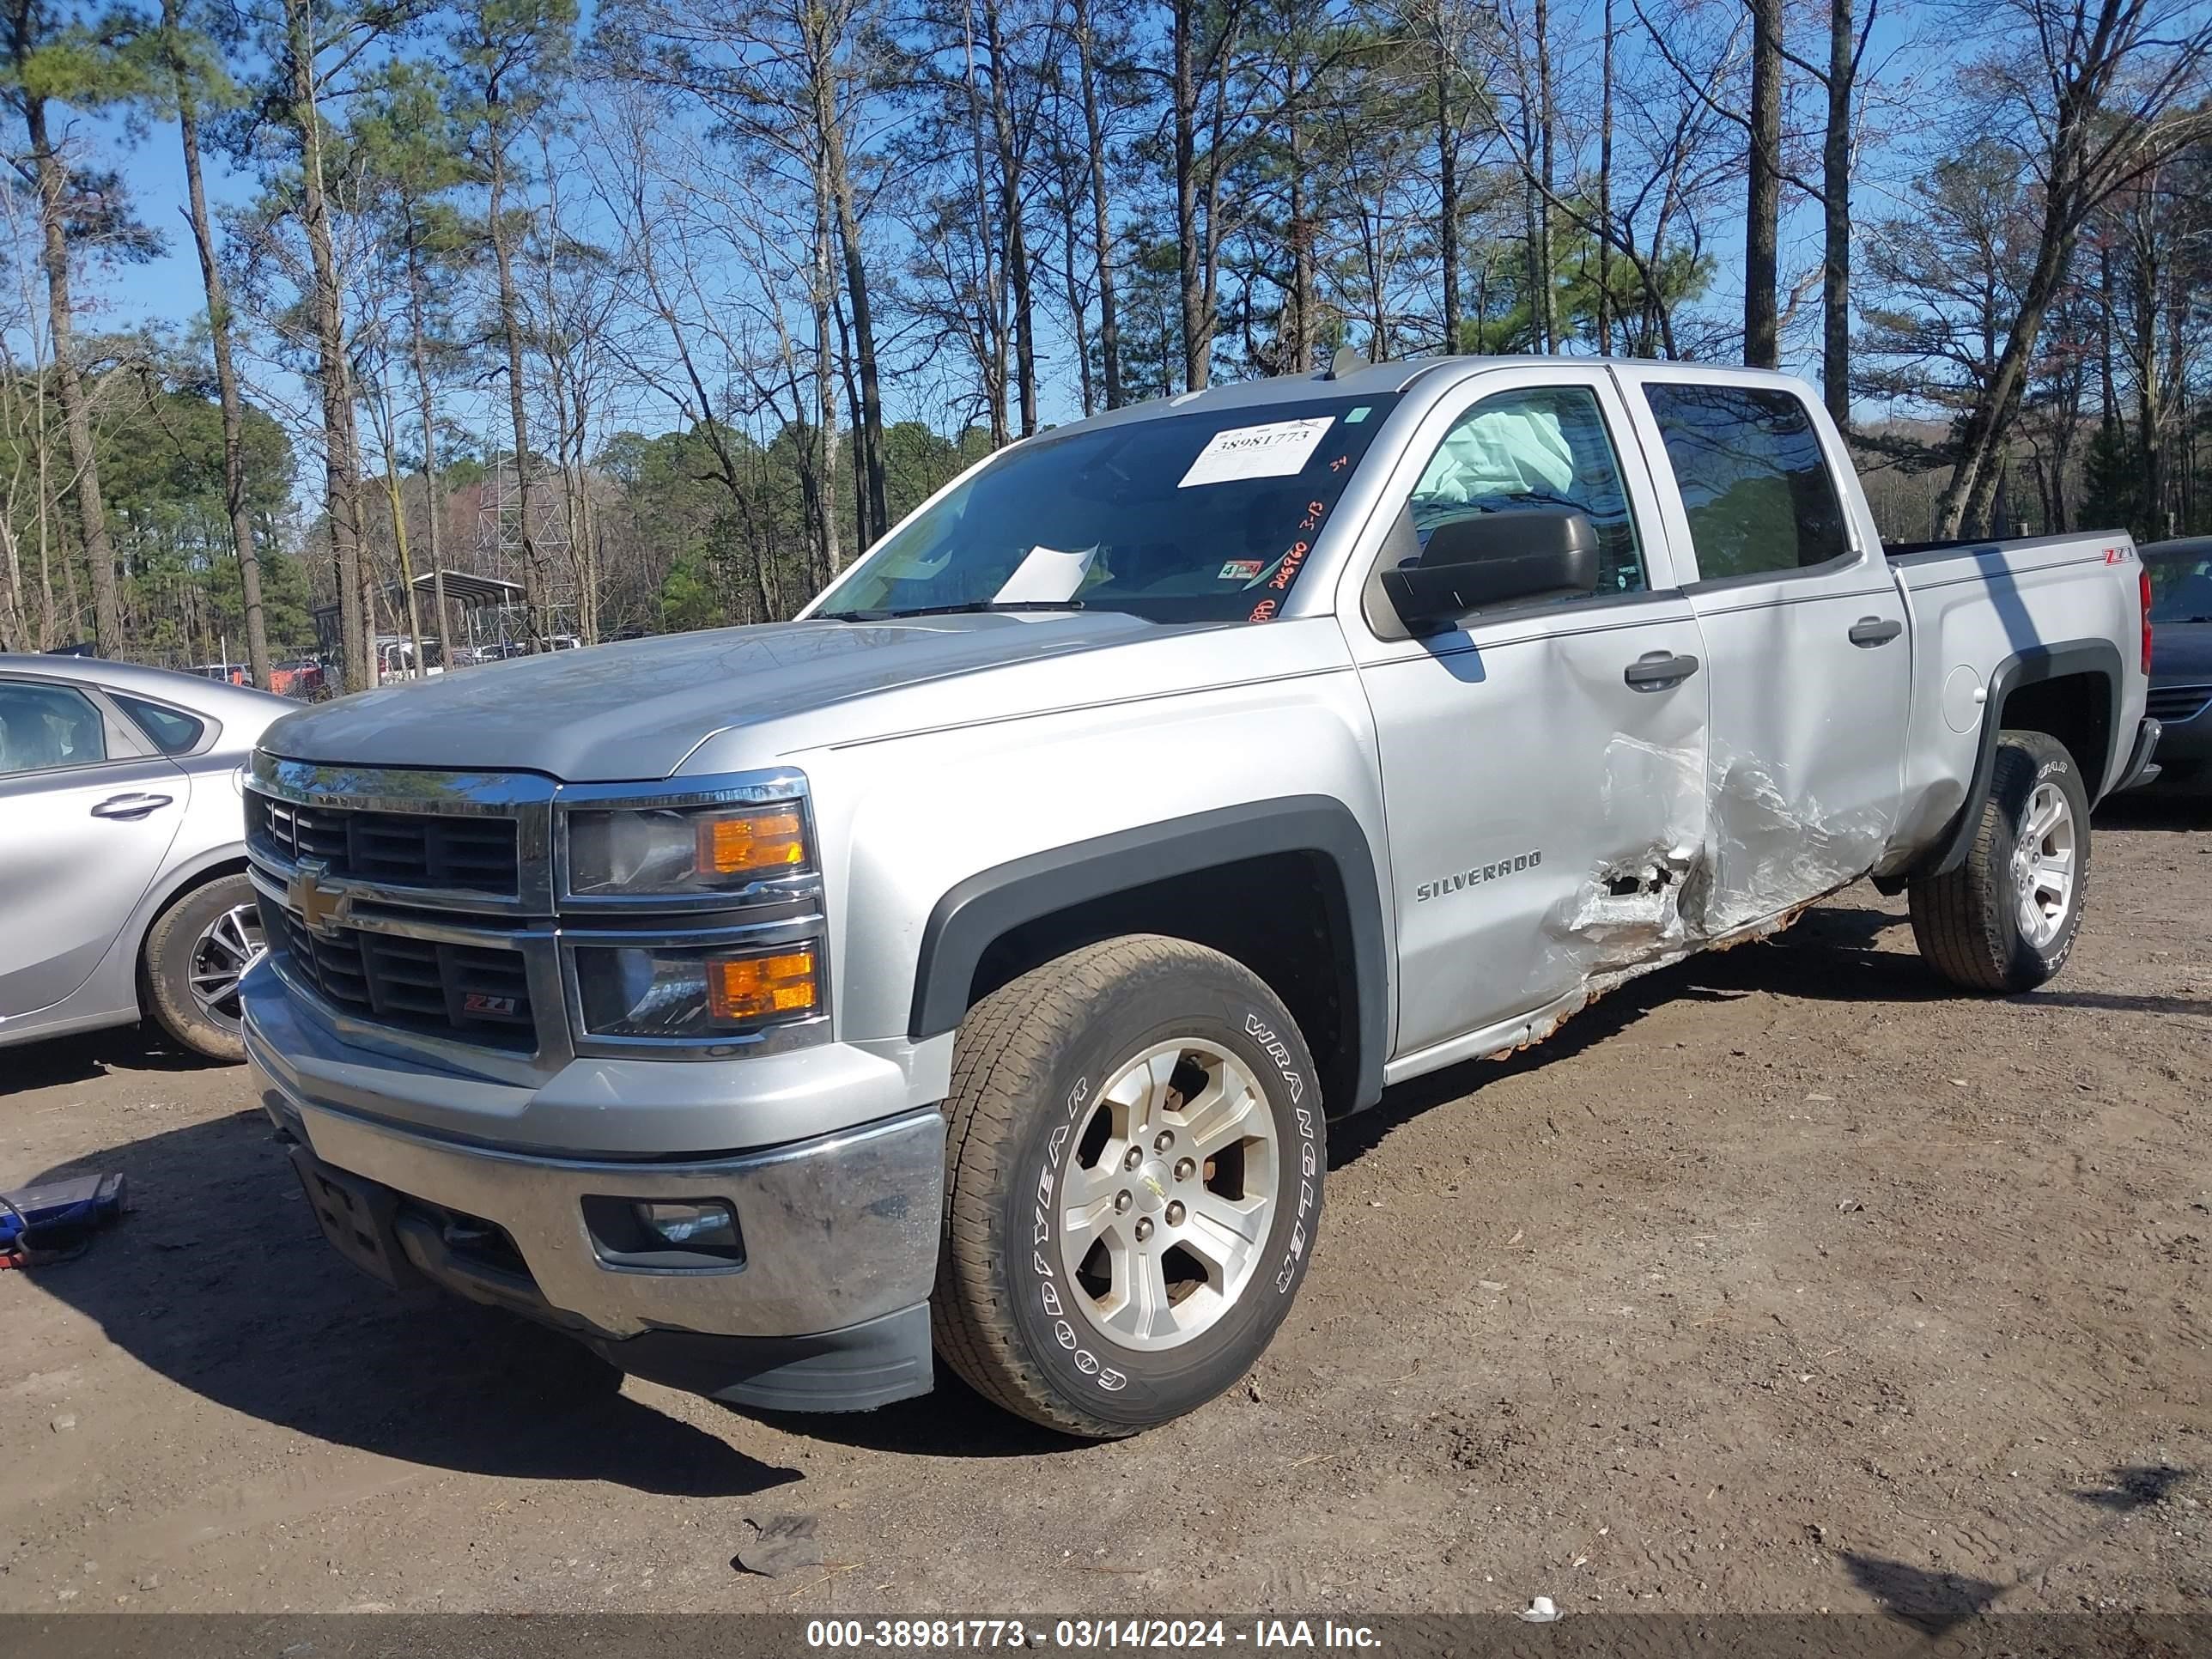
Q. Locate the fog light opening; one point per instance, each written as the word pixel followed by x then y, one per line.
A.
pixel 688 1226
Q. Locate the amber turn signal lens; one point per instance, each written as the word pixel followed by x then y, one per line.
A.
pixel 740 989
pixel 743 843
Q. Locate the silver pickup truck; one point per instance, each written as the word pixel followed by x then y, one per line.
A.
pixel 970 967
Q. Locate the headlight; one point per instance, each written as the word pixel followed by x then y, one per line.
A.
pixel 652 991
pixel 676 851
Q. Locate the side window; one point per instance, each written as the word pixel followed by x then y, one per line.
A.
pixel 1542 448
pixel 1756 486
pixel 171 730
pixel 45 727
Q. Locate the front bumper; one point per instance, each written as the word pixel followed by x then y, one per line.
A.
pixel 839 1230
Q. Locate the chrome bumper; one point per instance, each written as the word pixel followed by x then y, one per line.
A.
pixel 837 1230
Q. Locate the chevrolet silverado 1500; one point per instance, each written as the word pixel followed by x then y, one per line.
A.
pixel 970 967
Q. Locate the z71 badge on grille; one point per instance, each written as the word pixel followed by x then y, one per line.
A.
pixel 475 1002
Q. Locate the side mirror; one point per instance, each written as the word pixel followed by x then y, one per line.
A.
pixel 1490 558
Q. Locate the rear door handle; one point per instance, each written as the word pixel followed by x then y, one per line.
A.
pixel 129 806
pixel 1870 631
pixel 1655 671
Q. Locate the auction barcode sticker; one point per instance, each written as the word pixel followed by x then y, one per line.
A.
pixel 1273 451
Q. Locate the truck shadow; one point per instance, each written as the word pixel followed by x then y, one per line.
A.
pixel 219 1280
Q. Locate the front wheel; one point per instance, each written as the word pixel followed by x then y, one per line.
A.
pixel 2005 920
pixel 1132 1183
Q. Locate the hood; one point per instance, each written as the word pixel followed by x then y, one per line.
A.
pixel 615 712
pixel 2180 654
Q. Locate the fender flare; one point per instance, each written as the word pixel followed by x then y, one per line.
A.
pixel 965 922
pixel 2028 667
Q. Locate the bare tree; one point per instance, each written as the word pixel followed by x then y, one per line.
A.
pixel 2089 95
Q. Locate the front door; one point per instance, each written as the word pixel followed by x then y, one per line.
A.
pixel 86 819
pixel 1809 658
pixel 1543 764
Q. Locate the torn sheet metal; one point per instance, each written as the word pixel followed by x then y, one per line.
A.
pixel 1774 847
pixel 1740 849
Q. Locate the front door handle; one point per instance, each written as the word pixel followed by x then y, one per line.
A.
pixel 1870 631
pixel 129 806
pixel 1655 671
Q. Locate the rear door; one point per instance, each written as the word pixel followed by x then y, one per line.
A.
pixel 1805 635
pixel 88 811
pixel 1543 764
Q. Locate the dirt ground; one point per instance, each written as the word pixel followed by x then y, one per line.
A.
pixel 1782 1280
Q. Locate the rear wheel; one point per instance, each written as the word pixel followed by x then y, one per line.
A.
pixel 1134 1176
pixel 2005 920
pixel 195 956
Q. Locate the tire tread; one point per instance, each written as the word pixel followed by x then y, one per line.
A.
pixel 1959 919
pixel 1002 1058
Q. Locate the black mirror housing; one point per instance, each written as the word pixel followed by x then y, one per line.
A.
pixel 1521 556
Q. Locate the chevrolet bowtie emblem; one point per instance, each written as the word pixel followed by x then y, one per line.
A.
pixel 320 907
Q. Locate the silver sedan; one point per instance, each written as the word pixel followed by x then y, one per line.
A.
pixel 123 887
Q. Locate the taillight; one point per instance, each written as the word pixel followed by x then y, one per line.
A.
pixel 2144 572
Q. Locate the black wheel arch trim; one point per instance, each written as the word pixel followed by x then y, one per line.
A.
pixel 2028 666
pixel 968 920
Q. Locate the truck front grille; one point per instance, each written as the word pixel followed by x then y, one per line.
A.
pixel 470 852
pixel 478 993
pixel 2177 704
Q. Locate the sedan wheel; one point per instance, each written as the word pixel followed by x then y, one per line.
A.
pixel 225 948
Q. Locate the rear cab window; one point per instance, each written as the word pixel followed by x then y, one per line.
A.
pixel 1755 485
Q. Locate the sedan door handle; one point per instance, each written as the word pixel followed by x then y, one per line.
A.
pixel 1655 671
pixel 1870 631
pixel 129 806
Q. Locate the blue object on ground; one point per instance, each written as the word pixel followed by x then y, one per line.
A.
pixel 50 1216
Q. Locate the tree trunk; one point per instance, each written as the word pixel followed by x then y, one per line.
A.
pixel 1079 318
pixel 1762 346
pixel 1109 325
pixel 1605 189
pixel 434 492
pixel 534 596
pixel 1835 217
pixel 1546 299
pixel 388 432
pixel 1301 256
pixel 68 381
pixel 991 347
pixel 823 284
pixel 871 433
pixel 15 622
pixel 1011 213
pixel 226 369
pixel 1190 270
pixel 332 373
pixel 1447 195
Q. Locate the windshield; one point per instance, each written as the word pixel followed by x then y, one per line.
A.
pixel 1204 517
pixel 2181 586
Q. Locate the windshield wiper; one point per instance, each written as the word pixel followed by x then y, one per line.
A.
pixel 970 607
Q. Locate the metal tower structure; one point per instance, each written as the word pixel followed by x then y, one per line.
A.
pixel 500 541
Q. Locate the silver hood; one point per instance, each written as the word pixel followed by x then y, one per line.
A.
pixel 634 710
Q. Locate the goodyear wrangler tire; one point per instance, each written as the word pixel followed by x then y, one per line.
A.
pixel 1132 1183
pixel 2005 920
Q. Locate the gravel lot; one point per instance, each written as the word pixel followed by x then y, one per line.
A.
pixel 1782 1280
